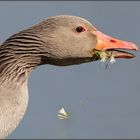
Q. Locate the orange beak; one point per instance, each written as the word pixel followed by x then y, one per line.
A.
pixel 108 43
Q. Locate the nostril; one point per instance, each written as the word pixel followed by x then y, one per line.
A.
pixel 113 41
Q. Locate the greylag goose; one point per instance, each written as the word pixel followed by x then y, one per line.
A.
pixel 59 40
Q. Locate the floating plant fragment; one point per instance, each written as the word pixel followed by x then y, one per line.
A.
pixel 62 114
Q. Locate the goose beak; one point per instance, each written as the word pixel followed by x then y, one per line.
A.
pixel 108 43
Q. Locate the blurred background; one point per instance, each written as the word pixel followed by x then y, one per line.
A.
pixel 101 103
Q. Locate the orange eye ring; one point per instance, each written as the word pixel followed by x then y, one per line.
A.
pixel 80 29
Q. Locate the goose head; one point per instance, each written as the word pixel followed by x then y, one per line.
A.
pixel 66 40
pixel 70 40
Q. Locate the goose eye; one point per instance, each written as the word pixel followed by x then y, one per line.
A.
pixel 80 29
